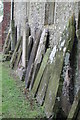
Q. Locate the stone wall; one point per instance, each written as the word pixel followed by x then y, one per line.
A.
pixel 37 13
pixel 33 11
pixel 36 16
pixel 20 11
pixel 63 11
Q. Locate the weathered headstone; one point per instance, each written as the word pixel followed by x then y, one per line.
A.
pixel 77 106
pixel 55 83
pixel 43 85
pixel 6 42
pixel 39 56
pixel 40 73
pixel 67 96
pixel 32 58
pixel 45 80
pixel 15 52
pixel 18 56
pixel 25 45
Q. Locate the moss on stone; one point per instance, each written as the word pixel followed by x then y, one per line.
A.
pixel 71 21
pixel 55 82
pixel 40 73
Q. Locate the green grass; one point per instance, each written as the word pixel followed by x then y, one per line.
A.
pixel 15 104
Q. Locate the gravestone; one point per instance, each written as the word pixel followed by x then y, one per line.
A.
pixel 43 85
pixel 55 82
pixel 39 56
pixel 41 72
pixel 6 42
pixel 30 46
pixel 13 59
pixel 32 58
pixel 25 45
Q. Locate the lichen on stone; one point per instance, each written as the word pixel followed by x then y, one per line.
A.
pixel 52 55
pixel 62 44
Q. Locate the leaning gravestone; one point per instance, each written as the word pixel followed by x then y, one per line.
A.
pixel 18 56
pixel 13 59
pixel 47 73
pixel 40 73
pixel 30 45
pixel 43 85
pixel 6 43
pixel 32 58
pixel 56 61
pixel 39 56
pixel 26 33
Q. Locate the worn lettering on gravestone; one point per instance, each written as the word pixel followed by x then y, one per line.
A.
pixel 39 56
pixel 40 73
pixel 32 58
pixel 57 65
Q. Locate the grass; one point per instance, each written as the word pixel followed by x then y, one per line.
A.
pixel 16 104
